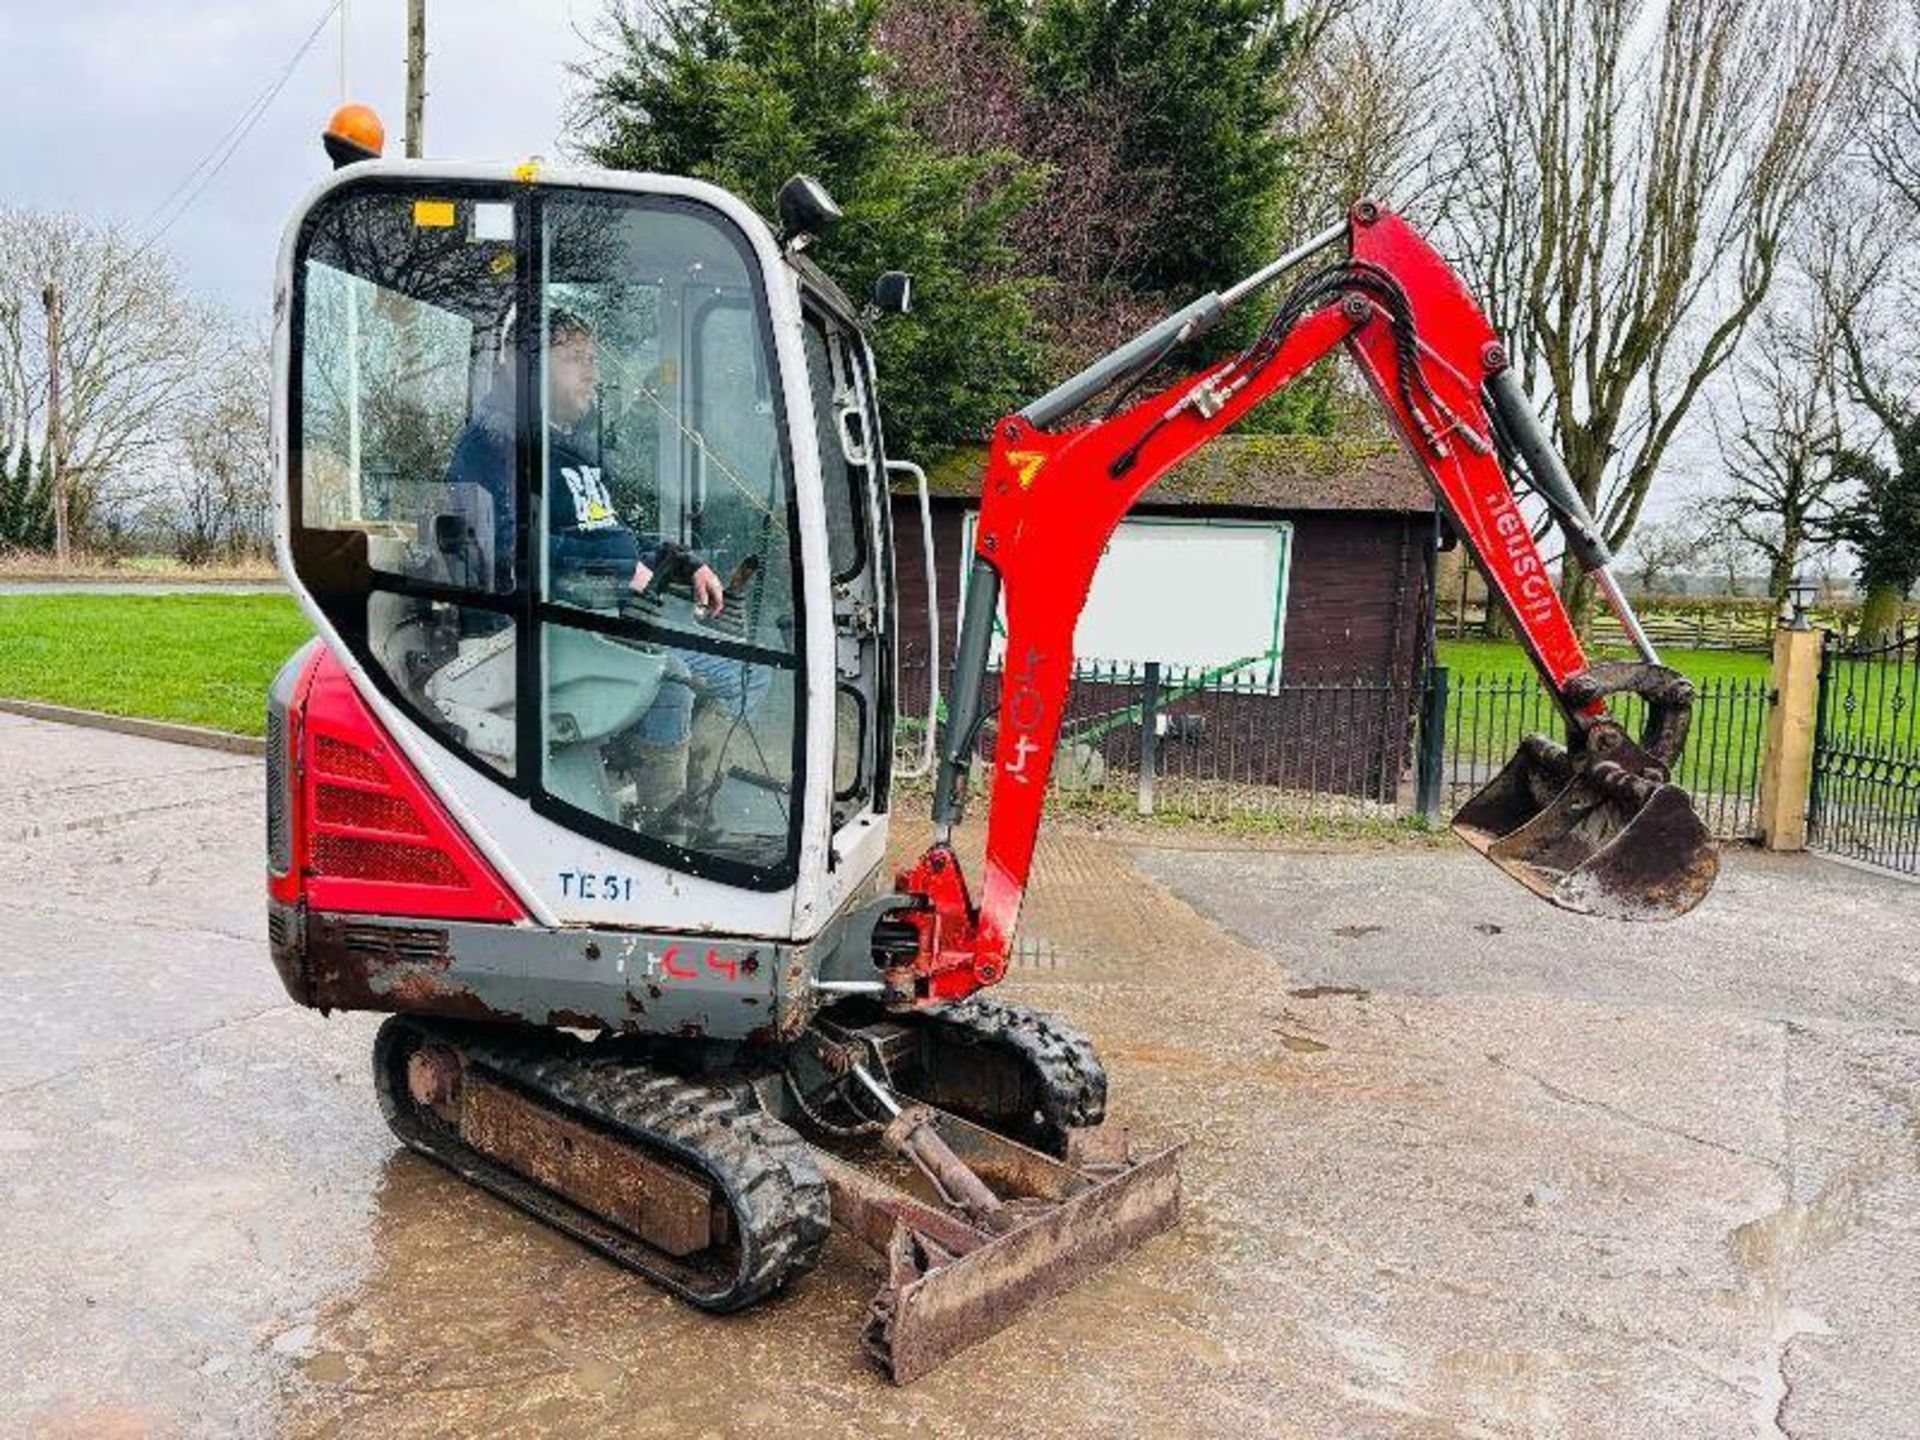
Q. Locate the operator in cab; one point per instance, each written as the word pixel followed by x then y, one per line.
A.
pixel 597 561
pixel 593 557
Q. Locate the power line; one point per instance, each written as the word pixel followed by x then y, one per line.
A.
pixel 225 147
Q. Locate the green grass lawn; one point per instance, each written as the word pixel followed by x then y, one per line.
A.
pixel 1467 659
pixel 1487 716
pixel 198 659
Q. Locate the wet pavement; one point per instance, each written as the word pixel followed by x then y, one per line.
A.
pixel 1458 1164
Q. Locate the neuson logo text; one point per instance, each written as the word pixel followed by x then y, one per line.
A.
pixel 1533 590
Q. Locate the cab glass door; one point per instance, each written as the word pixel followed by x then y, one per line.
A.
pixel 847 435
pixel 539 483
pixel 666 597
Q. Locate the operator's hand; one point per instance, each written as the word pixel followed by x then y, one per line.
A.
pixel 708 593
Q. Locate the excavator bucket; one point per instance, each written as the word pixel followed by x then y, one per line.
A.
pixel 1591 836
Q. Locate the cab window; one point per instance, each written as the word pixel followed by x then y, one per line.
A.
pixel 539 484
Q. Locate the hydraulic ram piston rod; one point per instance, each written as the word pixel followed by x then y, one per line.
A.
pixel 1150 344
pixel 1267 274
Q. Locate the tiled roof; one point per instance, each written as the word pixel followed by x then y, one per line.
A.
pixel 1255 472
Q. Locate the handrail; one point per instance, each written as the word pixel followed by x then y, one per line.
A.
pixel 925 766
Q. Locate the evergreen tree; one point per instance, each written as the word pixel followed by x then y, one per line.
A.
pixel 9 506
pixel 1196 84
pixel 1883 527
pixel 16 486
pixel 748 92
pixel 36 518
pixel 1156 126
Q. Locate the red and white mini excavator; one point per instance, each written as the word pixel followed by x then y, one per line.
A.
pixel 587 777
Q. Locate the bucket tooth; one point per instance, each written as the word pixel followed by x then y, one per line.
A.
pixel 1629 848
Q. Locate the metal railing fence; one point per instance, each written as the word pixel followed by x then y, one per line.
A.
pixel 1241 742
pixel 1865 798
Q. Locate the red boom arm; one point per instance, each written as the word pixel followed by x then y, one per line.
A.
pixel 1052 499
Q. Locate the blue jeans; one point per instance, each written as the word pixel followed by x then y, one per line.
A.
pixel 693 676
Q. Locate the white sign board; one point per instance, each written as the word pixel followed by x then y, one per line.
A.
pixel 1205 594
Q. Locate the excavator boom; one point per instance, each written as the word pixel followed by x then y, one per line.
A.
pixel 1591 826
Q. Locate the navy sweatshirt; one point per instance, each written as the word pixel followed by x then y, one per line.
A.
pixel 587 545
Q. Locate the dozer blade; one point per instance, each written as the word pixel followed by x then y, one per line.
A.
pixel 1594 839
pixel 950 1283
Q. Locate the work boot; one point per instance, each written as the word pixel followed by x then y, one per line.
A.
pixel 712 730
pixel 659 782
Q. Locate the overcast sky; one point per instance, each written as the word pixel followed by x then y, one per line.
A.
pixel 106 104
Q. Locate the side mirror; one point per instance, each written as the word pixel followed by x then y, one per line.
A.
pixel 893 292
pixel 807 211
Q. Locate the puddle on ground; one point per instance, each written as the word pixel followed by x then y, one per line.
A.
pixel 1324 992
pixel 329 1367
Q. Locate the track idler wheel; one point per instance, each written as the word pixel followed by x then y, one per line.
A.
pixel 1601 830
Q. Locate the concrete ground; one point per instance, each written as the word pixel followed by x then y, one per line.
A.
pixel 1458 1164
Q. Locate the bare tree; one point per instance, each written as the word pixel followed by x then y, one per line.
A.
pixel 1726 551
pixel 131 347
pixel 220 502
pixel 1369 78
pixel 1781 437
pixel 1637 167
pixel 1867 275
pixel 1893 135
pixel 1660 552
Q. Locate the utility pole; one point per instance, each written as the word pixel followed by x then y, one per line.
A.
pixel 416 75
pixel 56 426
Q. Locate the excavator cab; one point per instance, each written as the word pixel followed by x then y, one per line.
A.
pixel 525 417
pixel 587 777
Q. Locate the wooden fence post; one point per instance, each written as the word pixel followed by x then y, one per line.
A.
pixel 1786 765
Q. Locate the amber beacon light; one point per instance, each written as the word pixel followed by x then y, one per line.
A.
pixel 354 133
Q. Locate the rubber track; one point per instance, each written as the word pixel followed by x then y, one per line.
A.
pixel 1058 1057
pixel 781 1207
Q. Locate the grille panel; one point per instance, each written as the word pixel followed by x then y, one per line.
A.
pixel 352 857
pixel 279 831
pixel 386 944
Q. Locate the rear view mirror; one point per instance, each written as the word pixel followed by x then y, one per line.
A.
pixel 893 292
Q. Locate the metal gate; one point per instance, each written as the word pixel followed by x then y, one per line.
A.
pixel 1865 800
